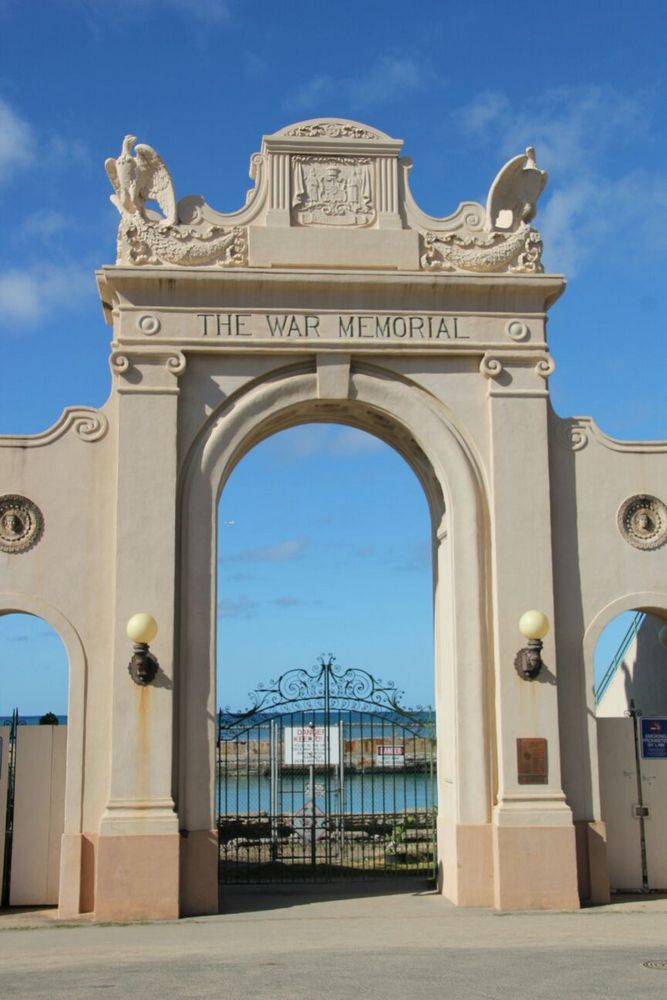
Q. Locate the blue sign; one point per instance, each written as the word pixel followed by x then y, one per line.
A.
pixel 654 739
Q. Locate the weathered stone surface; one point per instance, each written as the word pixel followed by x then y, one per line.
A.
pixel 429 332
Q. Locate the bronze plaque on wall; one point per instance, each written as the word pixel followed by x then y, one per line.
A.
pixel 532 764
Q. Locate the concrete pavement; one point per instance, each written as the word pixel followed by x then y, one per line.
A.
pixel 342 942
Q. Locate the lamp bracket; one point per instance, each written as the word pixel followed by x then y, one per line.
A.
pixel 144 665
pixel 528 661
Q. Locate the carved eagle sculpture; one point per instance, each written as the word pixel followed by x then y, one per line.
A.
pixel 137 179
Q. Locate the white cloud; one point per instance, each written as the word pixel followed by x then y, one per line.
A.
pixel 17 141
pixel 43 224
pixel 208 11
pixel 280 552
pixel 571 127
pixel 350 441
pixel 579 133
pixel 312 440
pixel 205 10
pixel 287 602
pixel 22 147
pixel 64 149
pixel 388 79
pixel 311 93
pixel 28 295
pixel 241 607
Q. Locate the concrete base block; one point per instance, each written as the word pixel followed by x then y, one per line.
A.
pixel 536 868
pixel 137 877
pixel 77 874
pixel 592 863
pixel 69 896
pixel 466 871
pixel 199 872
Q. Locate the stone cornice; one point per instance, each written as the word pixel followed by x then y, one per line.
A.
pixel 165 287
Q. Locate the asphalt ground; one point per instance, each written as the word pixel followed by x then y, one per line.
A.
pixel 360 942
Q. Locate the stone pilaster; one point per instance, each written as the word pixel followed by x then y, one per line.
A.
pixel 138 851
pixel 533 833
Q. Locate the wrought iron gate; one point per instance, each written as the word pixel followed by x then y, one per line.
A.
pixel 326 776
pixel 9 763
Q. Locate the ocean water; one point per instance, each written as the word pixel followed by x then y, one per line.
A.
pixel 367 793
pixel 392 792
pixel 29 720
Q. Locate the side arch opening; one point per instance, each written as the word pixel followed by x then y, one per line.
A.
pixel 630 664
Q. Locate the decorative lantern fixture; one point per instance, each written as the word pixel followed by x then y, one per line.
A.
pixel 533 625
pixel 142 629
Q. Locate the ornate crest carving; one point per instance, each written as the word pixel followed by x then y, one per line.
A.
pixel 332 130
pixel 642 520
pixel 520 251
pixel 332 190
pixel 21 523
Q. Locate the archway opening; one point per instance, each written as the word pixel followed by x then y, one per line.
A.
pixel 325 624
pixel 33 749
pixel 631 709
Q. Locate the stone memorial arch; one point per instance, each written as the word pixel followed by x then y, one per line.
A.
pixel 330 296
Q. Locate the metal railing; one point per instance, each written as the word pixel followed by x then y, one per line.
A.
pixel 624 645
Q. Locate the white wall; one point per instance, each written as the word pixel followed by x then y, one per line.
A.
pixel 39 815
pixel 619 795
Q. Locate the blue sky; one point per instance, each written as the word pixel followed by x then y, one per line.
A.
pixel 466 87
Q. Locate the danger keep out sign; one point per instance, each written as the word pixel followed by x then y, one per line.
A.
pixel 311 745
pixel 390 756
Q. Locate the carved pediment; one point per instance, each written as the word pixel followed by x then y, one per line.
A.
pixel 332 193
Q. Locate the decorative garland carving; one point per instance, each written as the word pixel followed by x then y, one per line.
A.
pixel 519 252
pixel 332 130
pixel 642 521
pixel 21 523
pixel 142 241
